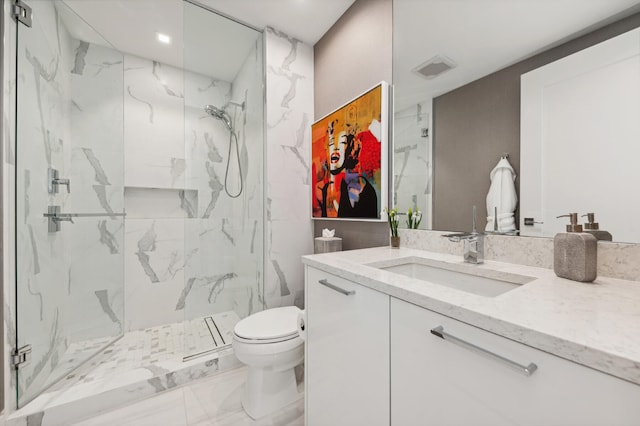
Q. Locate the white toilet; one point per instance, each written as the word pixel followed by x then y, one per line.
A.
pixel 269 344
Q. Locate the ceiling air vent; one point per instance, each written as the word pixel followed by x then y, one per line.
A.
pixel 434 67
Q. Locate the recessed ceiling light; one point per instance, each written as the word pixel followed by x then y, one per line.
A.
pixel 163 38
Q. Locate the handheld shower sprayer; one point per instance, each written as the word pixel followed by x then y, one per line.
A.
pixel 220 114
pixel 223 116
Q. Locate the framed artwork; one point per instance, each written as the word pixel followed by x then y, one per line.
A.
pixel 349 154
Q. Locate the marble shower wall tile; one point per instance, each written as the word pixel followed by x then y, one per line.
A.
pixel 289 116
pixel 248 211
pixel 154 124
pixel 95 155
pixel 226 273
pixel 94 163
pixel 210 277
pixel 154 264
pixel 95 278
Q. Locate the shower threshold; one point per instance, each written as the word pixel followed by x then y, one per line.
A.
pixel 140 364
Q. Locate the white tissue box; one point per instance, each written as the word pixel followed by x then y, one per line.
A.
pixel 327 244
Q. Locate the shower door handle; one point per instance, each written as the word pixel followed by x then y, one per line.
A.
pixel 54 217
pixel 53 181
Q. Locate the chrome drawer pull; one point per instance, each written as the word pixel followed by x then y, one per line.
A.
pixel 527 370
pixel 336 288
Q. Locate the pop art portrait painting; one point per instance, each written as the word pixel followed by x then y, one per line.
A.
pixel 349 158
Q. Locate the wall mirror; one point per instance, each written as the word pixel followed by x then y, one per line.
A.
pixel 457 68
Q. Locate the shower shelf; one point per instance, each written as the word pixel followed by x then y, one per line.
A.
pixel 160 203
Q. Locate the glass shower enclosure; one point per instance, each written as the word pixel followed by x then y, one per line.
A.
pixel 140 191
pixel 224 150
pixel 70 220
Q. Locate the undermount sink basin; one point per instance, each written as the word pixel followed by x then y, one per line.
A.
pixel 469 278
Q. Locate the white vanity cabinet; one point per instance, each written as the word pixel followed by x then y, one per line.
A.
pixel 436 381
pixel 346 353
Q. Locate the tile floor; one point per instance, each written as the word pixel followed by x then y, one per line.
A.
pixel 147 347
pixel 139 365
pixel 209 401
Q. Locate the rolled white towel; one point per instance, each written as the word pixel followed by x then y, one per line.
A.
pixel 506 222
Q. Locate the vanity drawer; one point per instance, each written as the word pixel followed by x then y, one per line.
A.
pixel 462 375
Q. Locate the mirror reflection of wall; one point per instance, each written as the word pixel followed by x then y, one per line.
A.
pixel 580 127
pixel 412 160
pixel 476 104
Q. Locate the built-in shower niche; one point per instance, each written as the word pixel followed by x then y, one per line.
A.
pixel 160 203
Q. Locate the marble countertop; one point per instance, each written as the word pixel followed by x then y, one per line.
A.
pixel 594 324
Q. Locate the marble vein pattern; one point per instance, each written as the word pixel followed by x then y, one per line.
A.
pixel 188 203
pixel 103 297
pixel 100 175
pixel 293 52
pixel 185 292
pixel 293 81
pixel 284 288
pixel 213 154
pixel 81 53
pixel 34 248
pixel 218 282
pixel 101 193
pixel 154 127
pixel 148 104
pixel 48 360
pixel 39 296
pixel 141 364
pixel 216 188
pixel 108 238
pixel 154 264
pixel 156 71
pixel 289 110
pixel 225 231
pixel 44 81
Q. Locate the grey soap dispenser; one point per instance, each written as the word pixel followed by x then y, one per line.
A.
pixel 593 228
pixel 575 252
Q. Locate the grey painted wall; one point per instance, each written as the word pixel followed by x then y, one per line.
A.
pixel 474 124
pixel 354 55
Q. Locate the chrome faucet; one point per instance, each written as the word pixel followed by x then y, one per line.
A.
pixel 473 243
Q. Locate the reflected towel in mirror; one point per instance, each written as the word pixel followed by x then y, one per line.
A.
pixel 502 195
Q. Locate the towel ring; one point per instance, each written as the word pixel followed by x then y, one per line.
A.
pixel 504 156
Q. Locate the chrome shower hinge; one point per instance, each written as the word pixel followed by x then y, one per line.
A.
pixel 21 356
pixel 22 12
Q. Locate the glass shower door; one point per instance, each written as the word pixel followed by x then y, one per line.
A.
pixel 69 192
pixel 224 146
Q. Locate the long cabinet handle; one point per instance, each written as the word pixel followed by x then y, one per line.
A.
pixel 527 370
pixel 336 288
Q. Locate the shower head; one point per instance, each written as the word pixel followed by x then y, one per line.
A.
pixel 220 114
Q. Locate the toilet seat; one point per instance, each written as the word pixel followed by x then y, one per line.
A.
pixel 269 326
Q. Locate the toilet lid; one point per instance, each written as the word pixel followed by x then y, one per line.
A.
pixel 269 324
